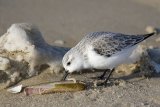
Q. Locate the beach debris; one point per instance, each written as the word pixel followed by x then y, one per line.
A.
pixel 127 69
pixel 62 86
pixel 151 29
pixel 148 64
pixel 15 89
pixel 24 50
pixel 132 67
pixel 72 79
pixel 59 42
pixel 154 55
pixel 4 63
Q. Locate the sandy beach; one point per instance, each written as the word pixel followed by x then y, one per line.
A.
pixel 69 21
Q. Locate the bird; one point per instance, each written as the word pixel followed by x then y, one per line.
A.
pixel 103 51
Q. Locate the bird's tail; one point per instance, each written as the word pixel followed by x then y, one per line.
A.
pixel 151 31
pixel 145 36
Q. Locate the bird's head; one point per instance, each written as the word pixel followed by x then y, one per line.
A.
pixel 72 61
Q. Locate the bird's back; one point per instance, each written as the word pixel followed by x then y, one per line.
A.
pixel 108 43
pixel 91 37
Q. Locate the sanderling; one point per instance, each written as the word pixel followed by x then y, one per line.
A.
pixel 101 50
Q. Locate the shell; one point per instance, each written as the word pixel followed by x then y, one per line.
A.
pixel 15 89
pixel 62 86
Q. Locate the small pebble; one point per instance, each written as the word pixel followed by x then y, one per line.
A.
pixel 145 104
pixel 59 42
pixel 150 47
pixel 122 83
pixel 150 29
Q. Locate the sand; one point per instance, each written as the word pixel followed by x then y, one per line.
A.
pixel 70 20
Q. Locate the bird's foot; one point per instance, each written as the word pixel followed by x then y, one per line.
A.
pixel 101 84
pixel 104 83
pixel 98 77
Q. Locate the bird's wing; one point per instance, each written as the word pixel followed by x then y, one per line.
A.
pixel 107 44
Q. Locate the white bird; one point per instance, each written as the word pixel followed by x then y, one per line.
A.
pixel 101 50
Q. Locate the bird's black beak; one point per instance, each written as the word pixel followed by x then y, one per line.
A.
pixel 65 76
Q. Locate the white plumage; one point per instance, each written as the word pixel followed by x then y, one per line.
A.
pixel 102 50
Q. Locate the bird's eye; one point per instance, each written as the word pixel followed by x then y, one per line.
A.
pixel 68 63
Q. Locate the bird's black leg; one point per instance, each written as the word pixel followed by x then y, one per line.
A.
pixel 106 80
pixel 101 77
pixel 65 76
pixel 110 73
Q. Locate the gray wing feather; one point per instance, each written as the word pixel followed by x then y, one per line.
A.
pixel 107 44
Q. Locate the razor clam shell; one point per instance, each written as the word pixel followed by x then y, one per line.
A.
pixel 62 86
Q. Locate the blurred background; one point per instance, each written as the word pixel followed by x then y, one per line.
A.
pixel 70 20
